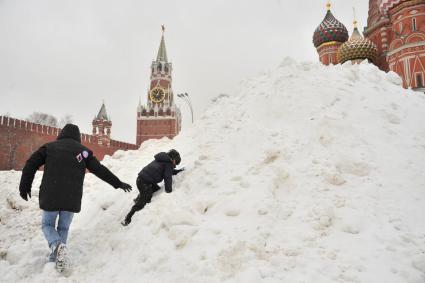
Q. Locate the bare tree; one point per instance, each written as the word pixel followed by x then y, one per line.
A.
pixel 67 119
pixel 43 119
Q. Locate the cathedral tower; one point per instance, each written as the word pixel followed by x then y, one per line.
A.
pixel 102 127
pixel 160 117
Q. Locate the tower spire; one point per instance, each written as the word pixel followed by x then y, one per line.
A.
pixel 162 52
pixel 328 5
pixel 102 115
pixel 355 18
pixel 356 34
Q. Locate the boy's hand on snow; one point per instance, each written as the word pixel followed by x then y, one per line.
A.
pixel 124 186
pixel 177 171
pixel 25 195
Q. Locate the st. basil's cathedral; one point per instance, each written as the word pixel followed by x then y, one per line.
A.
pixel 394 40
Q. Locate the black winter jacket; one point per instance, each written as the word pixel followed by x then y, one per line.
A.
pixel 159 169
pixel 65 162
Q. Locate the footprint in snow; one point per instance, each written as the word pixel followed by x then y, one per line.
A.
pixel 232 212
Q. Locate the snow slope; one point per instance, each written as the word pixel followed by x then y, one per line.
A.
pixel 307 174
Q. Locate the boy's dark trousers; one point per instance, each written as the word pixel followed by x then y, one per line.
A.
pixel 145 195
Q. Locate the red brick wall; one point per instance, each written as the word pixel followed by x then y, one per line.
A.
pixel 407 49
pixel 381 36
pixel 400 46
pixel 18 139
pixel 156 129
pixel 162 83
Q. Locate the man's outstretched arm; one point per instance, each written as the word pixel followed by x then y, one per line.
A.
pixel 105 174
pixel 36 160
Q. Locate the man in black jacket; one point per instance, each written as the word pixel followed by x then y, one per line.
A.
pixel 162 168
pixel 65 162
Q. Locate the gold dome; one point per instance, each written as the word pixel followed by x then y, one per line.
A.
pixel 357 48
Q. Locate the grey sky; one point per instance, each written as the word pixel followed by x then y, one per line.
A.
pixel 66 56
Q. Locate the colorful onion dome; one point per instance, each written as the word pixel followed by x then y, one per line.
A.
pixel 330 30
pixel 357 48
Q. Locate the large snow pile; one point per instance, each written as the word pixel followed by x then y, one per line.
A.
pixel 307 174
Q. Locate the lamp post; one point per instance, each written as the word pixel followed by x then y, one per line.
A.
pixel 186 98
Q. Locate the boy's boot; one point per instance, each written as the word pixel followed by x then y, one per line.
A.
pixel 127 219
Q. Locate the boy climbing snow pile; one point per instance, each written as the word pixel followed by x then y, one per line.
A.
pixel 162 168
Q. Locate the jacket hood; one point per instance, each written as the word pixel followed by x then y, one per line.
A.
pixel 162 157
pixel 70 131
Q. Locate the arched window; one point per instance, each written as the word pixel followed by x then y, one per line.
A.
pixel 419 80
pixel 159 67
pixel 166 68
pixel 414 24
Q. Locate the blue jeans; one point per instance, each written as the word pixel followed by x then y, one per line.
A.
pixel 54 235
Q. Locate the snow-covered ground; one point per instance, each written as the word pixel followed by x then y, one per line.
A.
pixel 307 174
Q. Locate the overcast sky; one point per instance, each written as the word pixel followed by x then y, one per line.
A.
pixel 66 56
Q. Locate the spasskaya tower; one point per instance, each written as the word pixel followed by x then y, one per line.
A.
pixel 160 117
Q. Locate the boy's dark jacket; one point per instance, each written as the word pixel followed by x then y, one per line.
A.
pixel 65 162
pixel 159 169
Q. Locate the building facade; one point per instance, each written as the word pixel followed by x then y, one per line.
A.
pixel 160 117
pixel 404 44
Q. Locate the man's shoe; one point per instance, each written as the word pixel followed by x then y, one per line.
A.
pixel 62 262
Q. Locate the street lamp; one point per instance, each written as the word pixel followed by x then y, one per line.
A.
pixel 186 98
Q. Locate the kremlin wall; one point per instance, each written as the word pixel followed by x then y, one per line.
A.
pixel 18 139
pixel 394 40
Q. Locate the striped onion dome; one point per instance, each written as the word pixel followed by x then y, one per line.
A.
pixel 357 48
pixel 330 30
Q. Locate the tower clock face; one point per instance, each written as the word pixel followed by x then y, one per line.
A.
pixel 157 95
